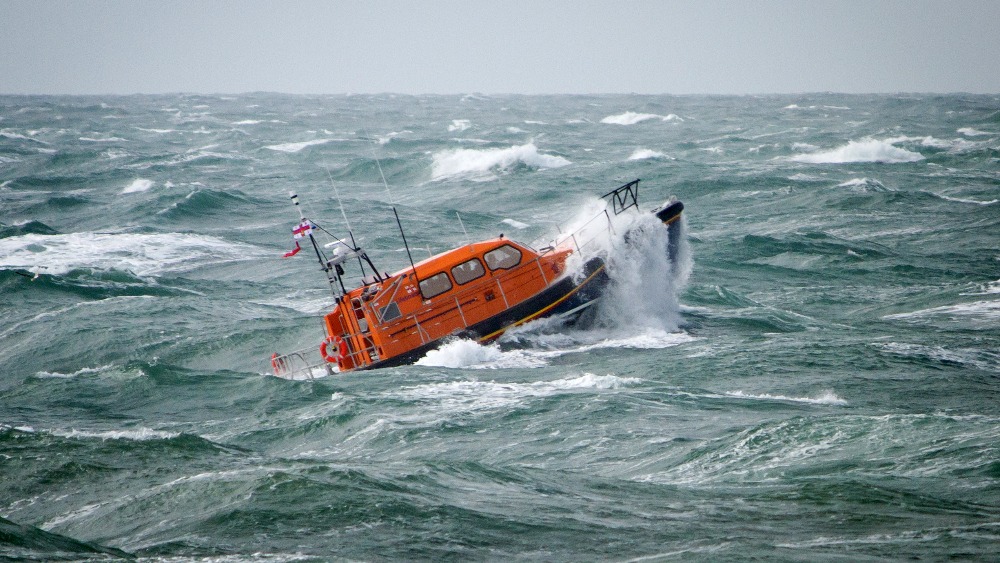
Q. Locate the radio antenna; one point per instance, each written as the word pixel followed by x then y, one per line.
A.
pixel 350 231
pixel 371 147
pixel 391 201
pixel 463 227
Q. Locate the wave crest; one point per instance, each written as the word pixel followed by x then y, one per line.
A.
pixel 480 164
pixel 631 118
pixel 868 150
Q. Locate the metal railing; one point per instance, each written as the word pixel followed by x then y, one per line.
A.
pixel 305 364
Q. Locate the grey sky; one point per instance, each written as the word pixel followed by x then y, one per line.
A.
pixel 509 46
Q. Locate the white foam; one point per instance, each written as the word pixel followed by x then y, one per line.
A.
pixel 824 398
pixel 142 254
pixel 515 224
pixel 9 134
pixel 970 132
pixel 138 185
pixel 459 125
pixel 864 185
pixel 471 354
pixel 248 122
pixel 644 154
pixel 84 371
pixel 138 434
pixel 107 140
pixel 488 395
pixel 952 146
pixel 988 311
pixel 385 139
pixel 631 118
pixel 806 178
pixel 645 284
pixel 479 163
pixel 868 150
pixel 970 201
pixel 296 147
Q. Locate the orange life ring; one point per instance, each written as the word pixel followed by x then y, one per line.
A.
pixel 277 364
pixel 340 345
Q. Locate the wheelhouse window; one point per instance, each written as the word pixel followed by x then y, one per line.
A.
pixel 503 258
pixel 435 285
pixel 468 271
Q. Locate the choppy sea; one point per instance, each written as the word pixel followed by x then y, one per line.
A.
pixel 820 381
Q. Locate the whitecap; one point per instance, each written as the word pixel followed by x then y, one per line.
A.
pixel 107 140
pixel 864 185
pixel 296 147
pixel 77 373
pixel 970 132
pixel 824 398
pixel 138 185
pixel 459 125
pixel 970 201
pixel 478 164
pixel 515 224
pixel 869 150
pixel 631 118
pixel 142 254
pixel 644 154
pixel 952 146
pixel 137 434
pixel 385 139
pixel 805 178
pixel 9 134
pixel 986 311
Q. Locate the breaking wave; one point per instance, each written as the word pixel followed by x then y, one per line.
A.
pixel 824 398
pixel 631 118
pixel 138 185
pixel 869 150
pixel 480 164
pixel 645 154
pixel 141 254
pixel 296 147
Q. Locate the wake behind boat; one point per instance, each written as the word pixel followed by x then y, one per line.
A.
pixel 477 291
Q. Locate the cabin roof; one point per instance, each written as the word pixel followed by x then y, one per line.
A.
pixel 449 258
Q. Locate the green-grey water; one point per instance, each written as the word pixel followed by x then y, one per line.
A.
pixel 819 382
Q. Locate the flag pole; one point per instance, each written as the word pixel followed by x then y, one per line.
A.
pixel 332 272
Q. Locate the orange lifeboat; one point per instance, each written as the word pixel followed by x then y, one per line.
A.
pixel 478 290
